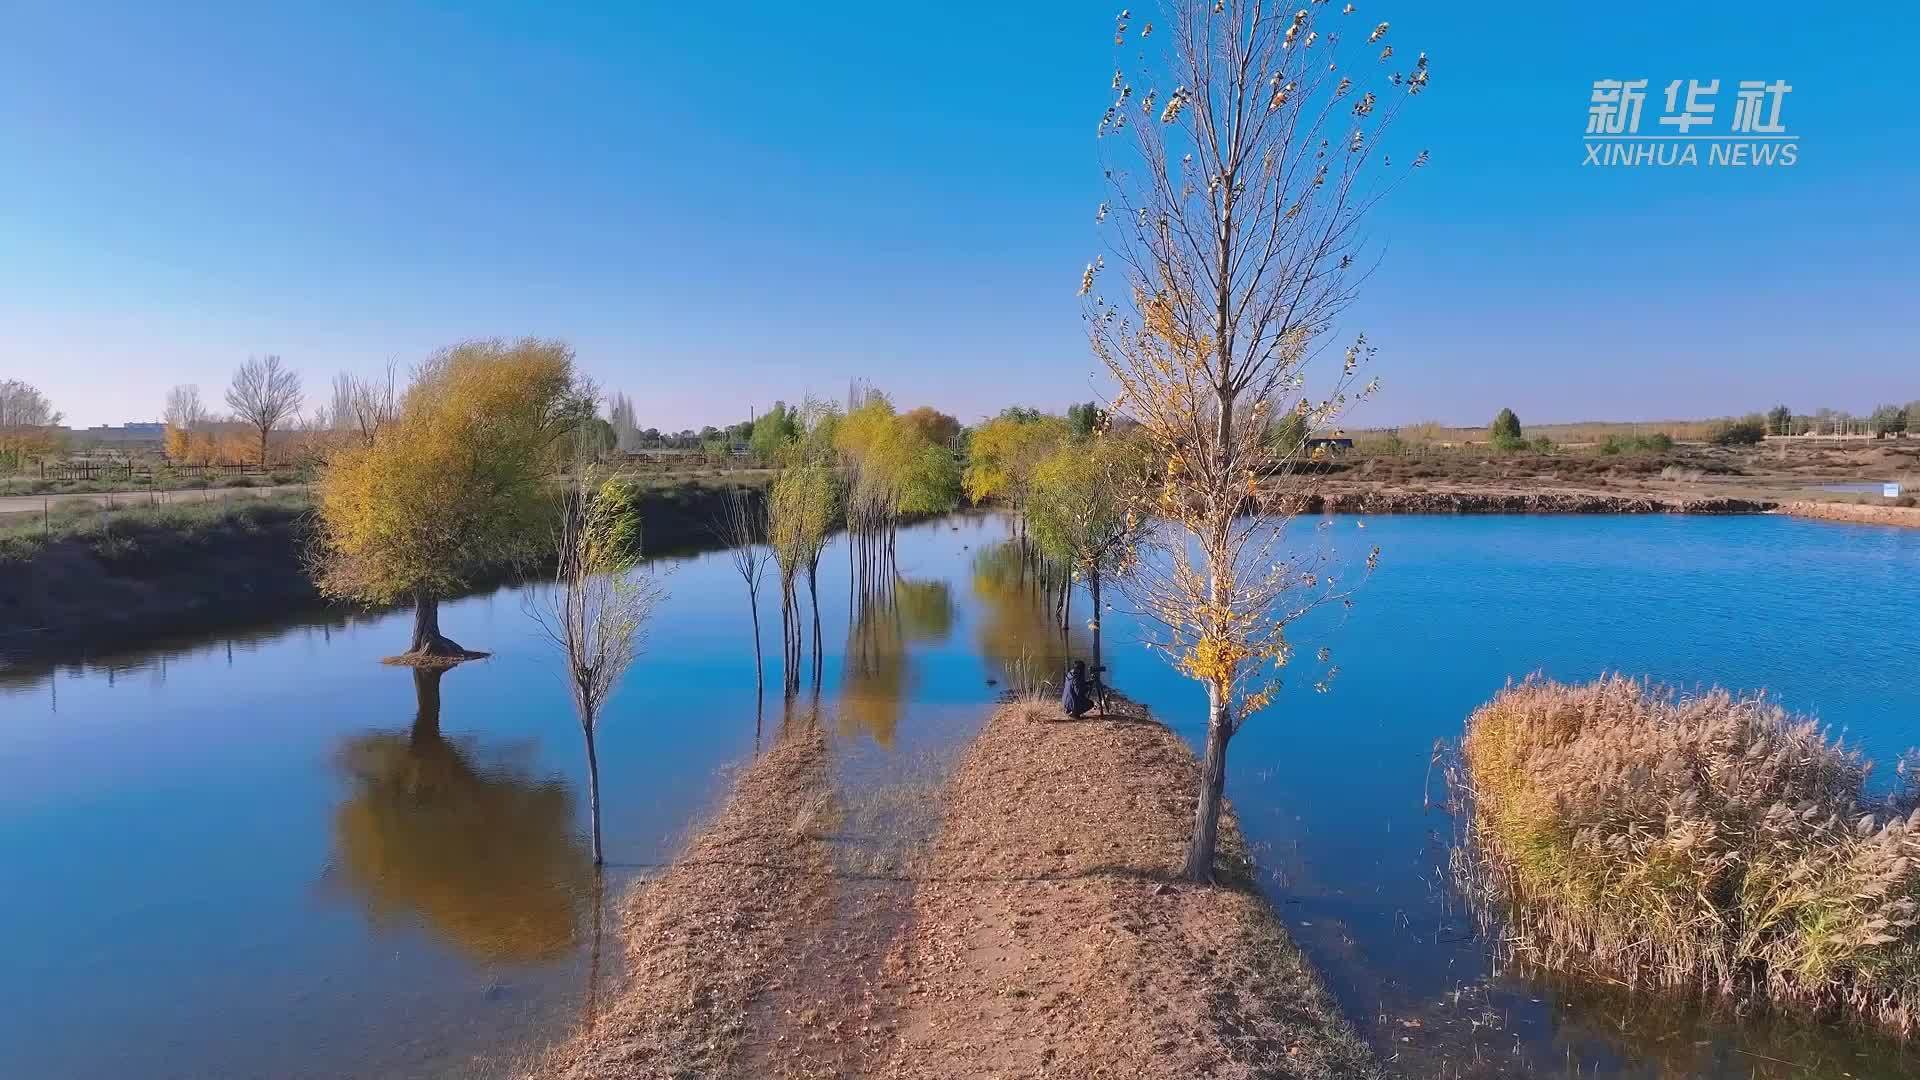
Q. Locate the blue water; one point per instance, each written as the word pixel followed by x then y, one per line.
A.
pixel 244 856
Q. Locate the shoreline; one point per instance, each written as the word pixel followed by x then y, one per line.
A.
pixel 68 601
pixel 1484 501
pixel 75 598
pixel 1855 513
pixel 1042 929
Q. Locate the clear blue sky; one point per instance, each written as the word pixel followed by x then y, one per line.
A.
pixel 720 204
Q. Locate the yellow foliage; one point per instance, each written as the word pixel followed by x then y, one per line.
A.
pixel 1080 505
pixel 454 484
pixel 1003 454
pixel 22 443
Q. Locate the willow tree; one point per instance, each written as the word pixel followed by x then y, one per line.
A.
pixel 1003 453
pixel 892 469
pixel 800 514
pixel 454 486
pixel 740 527
pixel 1084 511
pixel 596 613
pixel 1240 172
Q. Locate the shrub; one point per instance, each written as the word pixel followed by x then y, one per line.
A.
pixel 1708 843
pixel 1748 432
pixel 1507 443
pixel 1657 443
pixel 1542 445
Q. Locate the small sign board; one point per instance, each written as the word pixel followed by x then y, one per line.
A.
pixel 1891 491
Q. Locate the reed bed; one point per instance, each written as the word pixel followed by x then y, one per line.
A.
pixel 1709 844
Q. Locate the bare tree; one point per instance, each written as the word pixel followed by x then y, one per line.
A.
pixel 1235 213
pixel 742 525
pixel 264 393
pixel 337 414
pixel 362 406
pixel 597 611
pixel 22 405
pixel 185 410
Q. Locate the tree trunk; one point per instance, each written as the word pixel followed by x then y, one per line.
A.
pixel 787 683
pixel 759 664
pixel 427 639
pixel 813 595
pixel 1093 587
pixel 1213 783
pixel 263 449
pixel 593 790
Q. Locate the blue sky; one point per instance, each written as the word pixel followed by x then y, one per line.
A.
pixel 720 204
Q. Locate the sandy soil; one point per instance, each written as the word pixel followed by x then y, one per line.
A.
pixel 1908 516
pixel 1039 935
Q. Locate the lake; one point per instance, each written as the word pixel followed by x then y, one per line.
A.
pixel 266 853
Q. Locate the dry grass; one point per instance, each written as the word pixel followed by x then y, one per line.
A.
pixel 1707 844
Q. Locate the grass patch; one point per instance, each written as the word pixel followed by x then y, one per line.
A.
pixel 126 534
pixel 1707 844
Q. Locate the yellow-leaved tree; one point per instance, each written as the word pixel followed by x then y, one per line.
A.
pixel 1002 455
pixel 1083 511
pixel 1241 173
pixel 453 486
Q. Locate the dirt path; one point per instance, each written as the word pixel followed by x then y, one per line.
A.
pixel 713 935
pixel 1039 935
pixel 1048 940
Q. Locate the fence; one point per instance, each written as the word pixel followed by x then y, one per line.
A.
pixel 134 472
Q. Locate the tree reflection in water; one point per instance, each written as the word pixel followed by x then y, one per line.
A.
pixel 1018 633
pixel 475 849
pixel 888 620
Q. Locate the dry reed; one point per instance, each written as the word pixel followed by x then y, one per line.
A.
pixel 1707 844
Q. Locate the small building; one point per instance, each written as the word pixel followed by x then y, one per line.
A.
pixel 122 436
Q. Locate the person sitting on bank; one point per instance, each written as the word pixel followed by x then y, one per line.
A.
pixel 1075 698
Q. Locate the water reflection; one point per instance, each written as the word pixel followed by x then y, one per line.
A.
pixel 1665 1036
pixel 466 843
pixel 154 657
pixel 888 618
pixel 1018 633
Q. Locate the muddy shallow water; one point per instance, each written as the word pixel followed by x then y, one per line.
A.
pixel 268 854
